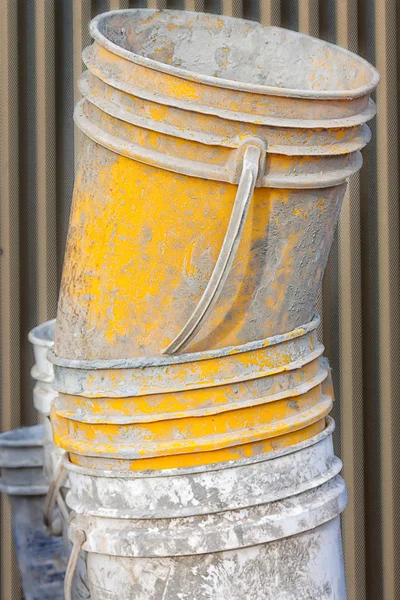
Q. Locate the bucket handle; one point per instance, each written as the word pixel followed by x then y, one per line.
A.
pixel 78 537
pixel 244 194
pixel 53 495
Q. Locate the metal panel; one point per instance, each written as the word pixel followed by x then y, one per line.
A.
pixel 46 206
pixel 350 367
pixel 388 289
pixel 9 261
pixel 41 43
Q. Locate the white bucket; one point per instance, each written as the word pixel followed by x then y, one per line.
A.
pixel 42 340
pixel 262 528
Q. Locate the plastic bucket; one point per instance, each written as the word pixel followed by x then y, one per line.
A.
pixel 213 166
pixel 193 409
pixel 239 530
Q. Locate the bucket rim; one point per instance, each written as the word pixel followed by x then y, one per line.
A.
pixel 36 339
pixel 22 490
pixel 212 467
pixel 13 438
pixel 173 359
pixel 230 83
pixel 133 538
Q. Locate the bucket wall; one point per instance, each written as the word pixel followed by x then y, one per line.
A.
pixel 266 527
pixel 160 237
pixel 309 565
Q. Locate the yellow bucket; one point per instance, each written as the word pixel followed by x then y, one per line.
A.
pixel 193 409
pixel 213 165
pixel 214 161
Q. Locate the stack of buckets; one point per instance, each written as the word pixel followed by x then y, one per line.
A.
pixel 54 512
pixel 42 559
pixel 192 395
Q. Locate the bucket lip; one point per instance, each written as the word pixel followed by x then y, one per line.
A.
pixel 188 471
pixel 303 512
pixel 13 438
pixel 35 337
pixel 85 85
pixel 23 490
pixel 166 360
pixel 230 83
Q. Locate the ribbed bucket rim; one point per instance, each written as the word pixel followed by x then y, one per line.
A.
pixel 173 359
pixel 182 471
pixel 229 83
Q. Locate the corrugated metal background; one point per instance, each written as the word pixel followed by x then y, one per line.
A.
pixel 41 43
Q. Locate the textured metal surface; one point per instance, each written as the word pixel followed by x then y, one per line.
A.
pixel 358 306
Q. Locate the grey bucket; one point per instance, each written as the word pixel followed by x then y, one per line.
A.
pixel 42 558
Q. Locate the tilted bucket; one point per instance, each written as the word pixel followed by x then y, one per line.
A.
pixel 42 559
pixel 213 166
pixel 261 528
pixel 201 408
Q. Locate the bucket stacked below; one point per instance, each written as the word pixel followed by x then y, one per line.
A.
pixel 243 529
pixel 193 409
pixel 200 475
pixel 193 396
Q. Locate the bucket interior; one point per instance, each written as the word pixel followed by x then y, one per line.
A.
pixel 43 334
pixel 236 50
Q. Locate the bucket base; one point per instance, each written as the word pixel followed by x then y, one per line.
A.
pixel 302 567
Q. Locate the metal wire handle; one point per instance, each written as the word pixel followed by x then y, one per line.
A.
pixel 248 178
pixel 78 537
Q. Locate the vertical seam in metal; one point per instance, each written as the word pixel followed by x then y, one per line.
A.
pixel 46 163
pixel 195 5
pixel 232 8
pixel 9 263
pixel 118 4
pixel 270 12
pixel 157 3
pixel 309 17
pixel 81 39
